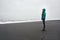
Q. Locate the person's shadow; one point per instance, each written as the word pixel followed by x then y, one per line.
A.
pixel 43 35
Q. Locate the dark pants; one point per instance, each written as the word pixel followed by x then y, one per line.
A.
pixel 43 24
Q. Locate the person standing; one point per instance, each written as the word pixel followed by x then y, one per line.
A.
pixel 43 18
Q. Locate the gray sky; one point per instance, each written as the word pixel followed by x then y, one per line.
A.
pixel 29 9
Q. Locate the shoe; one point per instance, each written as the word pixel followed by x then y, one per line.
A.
pixel 43 30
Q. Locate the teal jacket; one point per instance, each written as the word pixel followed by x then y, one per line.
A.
pixel 43 15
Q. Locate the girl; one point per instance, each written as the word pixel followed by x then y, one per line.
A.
pixel 43 18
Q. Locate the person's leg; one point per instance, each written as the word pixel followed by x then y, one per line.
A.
pixel 43 25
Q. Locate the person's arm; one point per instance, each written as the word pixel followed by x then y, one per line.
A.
pixel 45 15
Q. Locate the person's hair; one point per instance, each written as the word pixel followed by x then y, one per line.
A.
pixel 44 10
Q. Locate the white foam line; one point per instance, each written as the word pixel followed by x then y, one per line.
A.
pixel 8 22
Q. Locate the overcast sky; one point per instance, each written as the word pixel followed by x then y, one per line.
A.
pixel 29 9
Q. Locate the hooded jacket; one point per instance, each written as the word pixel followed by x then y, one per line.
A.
pixel 43 15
